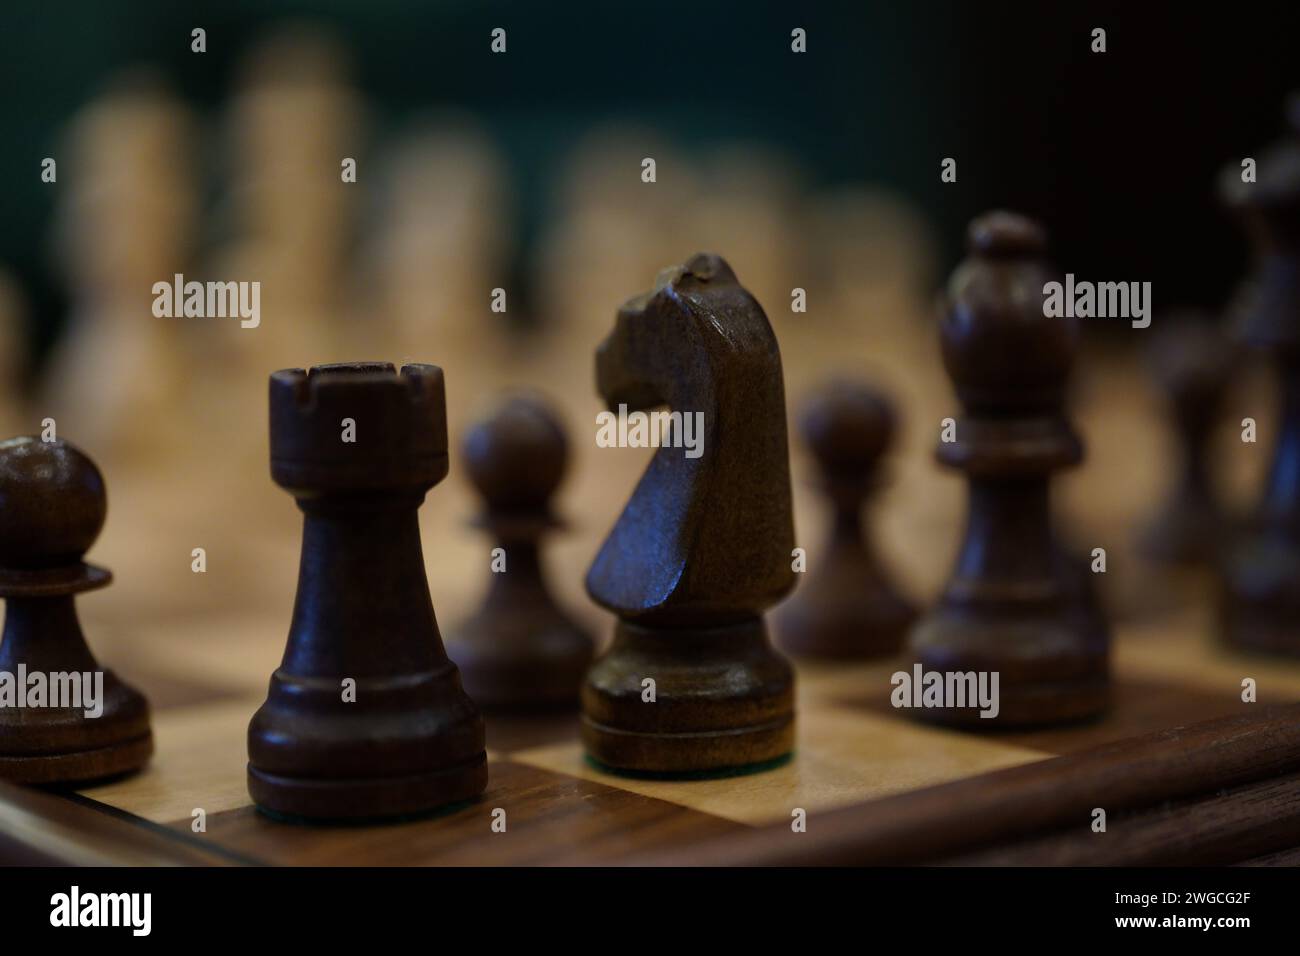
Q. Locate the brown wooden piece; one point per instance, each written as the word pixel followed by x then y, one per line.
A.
pixel 704 546
pixel 520 651
pixel 1192 363
pixel 1260 605
pixel 54 505
pixel 847 607
pixel 411 740
pixel 1016 604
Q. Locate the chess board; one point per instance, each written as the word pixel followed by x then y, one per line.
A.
pixel 852 748
pixel 201 647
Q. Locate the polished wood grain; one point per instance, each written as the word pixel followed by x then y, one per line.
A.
pixel 1258 752
pixel 199 765
pixel 1232 826
pixel 850 752
pixel 550 819
pixel 841 757
pixel 44 828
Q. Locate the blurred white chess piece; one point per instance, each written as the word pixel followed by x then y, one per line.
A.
pixel 609 233
pixel 287 211
pixel 125 220
pixel 746 212
pixel 874 253
pixel 438 247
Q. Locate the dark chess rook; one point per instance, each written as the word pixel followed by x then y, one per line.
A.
pixel 407 739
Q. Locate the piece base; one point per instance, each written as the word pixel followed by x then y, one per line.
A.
pixel 523 685
pixel 445 810
pixel 870 643
pixel 720 753
pixel 522 658
pixel 1051 658
pixel 1268 626
pixel 721 773
pixel 1025 706
pixel 1259 597
pixel 83 766
pixel 316 799
pixel 1273 640
pixel 722 698
pixel 850 613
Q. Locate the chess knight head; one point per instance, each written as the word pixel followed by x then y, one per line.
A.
pixel 706 538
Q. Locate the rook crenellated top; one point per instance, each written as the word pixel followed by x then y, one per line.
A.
pixel 362 425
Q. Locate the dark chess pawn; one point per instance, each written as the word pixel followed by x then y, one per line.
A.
pixel 848 606
pixel 1260 599
pixel 1017 603
pixel 520 651
pixel 1192 363
pixel 365 717
pixel 53 510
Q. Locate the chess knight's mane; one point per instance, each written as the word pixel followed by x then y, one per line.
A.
pixel 702 540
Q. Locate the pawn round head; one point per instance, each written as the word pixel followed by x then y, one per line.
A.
pixel 1005 344
pixel 848 425
pixel 517 453
pixel 52 503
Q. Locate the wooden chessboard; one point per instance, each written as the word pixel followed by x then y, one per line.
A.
pixel 202 647
pixel 559 809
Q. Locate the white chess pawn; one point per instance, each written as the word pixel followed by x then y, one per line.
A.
pixel 440 244
pixel 748 211
pixel 126 221
pixel 288 210
pixel 876 256
pixel 611 228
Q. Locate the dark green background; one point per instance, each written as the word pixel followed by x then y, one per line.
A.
pixel 1116 152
